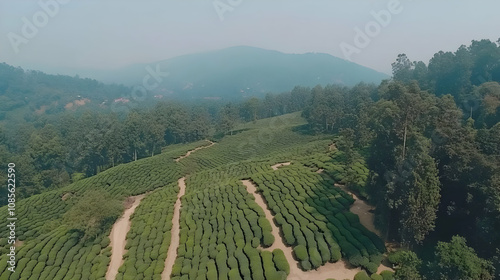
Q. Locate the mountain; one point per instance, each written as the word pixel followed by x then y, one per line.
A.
pixel 244 71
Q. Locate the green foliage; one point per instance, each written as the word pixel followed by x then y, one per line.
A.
pixel 451 264
pixel 75 177
pixel 224 224
pixel 300 252
pixel 387 275
pixel 280 260
pixel 149 236
pixel 407 265
pixel 313 218
pixel 92 212
pixel 361 276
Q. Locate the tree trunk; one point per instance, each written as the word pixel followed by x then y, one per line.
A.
pixel 404 138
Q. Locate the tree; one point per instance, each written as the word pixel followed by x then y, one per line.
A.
pixel 407 265
pixel 115 141
pixel 402 68
pixel 455 260
pixel 135 131
pixel 250 109
pixel 409 188
pixel 228 115
pixel 487 96
pixel 423 193
pixel 200 124
pixel 93 212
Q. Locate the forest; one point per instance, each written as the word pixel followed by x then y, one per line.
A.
pixel 423 147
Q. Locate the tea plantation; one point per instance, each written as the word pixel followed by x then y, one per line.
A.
pixel 51 250
pixel 223 231
pixel 315 219
pixel 149 235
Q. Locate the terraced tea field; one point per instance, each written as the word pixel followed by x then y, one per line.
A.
pixel 200 217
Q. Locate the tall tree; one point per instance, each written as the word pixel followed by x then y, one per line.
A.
pixel 455 260
pixel 227 118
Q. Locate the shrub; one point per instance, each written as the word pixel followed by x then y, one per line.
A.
pixel 265 224
pixel 315 258
pixel 234 274
pixel 361 276
pixel 376 277
pixel 371 267
pixel 305 265
pixel 211 270
pixel 280 261
pixel 268 239
pixel 387 275
pixel 300 252
pixel 323 248
pixel 267 261
pixel 177 267
pixel 288 234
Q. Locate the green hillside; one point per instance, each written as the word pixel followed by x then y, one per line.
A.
pixel 221 227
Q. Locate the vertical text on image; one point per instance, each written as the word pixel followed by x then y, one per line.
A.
pixel 11 217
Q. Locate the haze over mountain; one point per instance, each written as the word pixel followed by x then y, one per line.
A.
pixel 240 72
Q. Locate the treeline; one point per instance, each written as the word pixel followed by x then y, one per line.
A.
pixel 459 74
pixel 434 156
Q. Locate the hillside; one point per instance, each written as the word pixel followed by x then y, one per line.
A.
pixel 239 72
pixel 222 224
pixel 25 94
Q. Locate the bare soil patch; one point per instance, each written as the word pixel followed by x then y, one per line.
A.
pixel 363 210
pixel 278 165
pixel 18 243
pixel 66 196
pixel 194 150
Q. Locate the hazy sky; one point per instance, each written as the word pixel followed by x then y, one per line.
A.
pixel 111 34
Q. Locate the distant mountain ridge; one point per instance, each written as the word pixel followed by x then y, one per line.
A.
pixel 244 71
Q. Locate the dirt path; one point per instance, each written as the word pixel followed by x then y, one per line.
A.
pixel 174 242
pixel 363 210
pixel 278 165
pixel 118 236
pixel 338 270
pixel 192 151
pixel 366 218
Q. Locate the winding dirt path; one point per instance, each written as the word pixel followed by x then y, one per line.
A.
pixel 338 270
pixel 174 242
pixel 363 210
pixel 366 218
pixel 118 236
pixel 194 150
pixel 278 165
